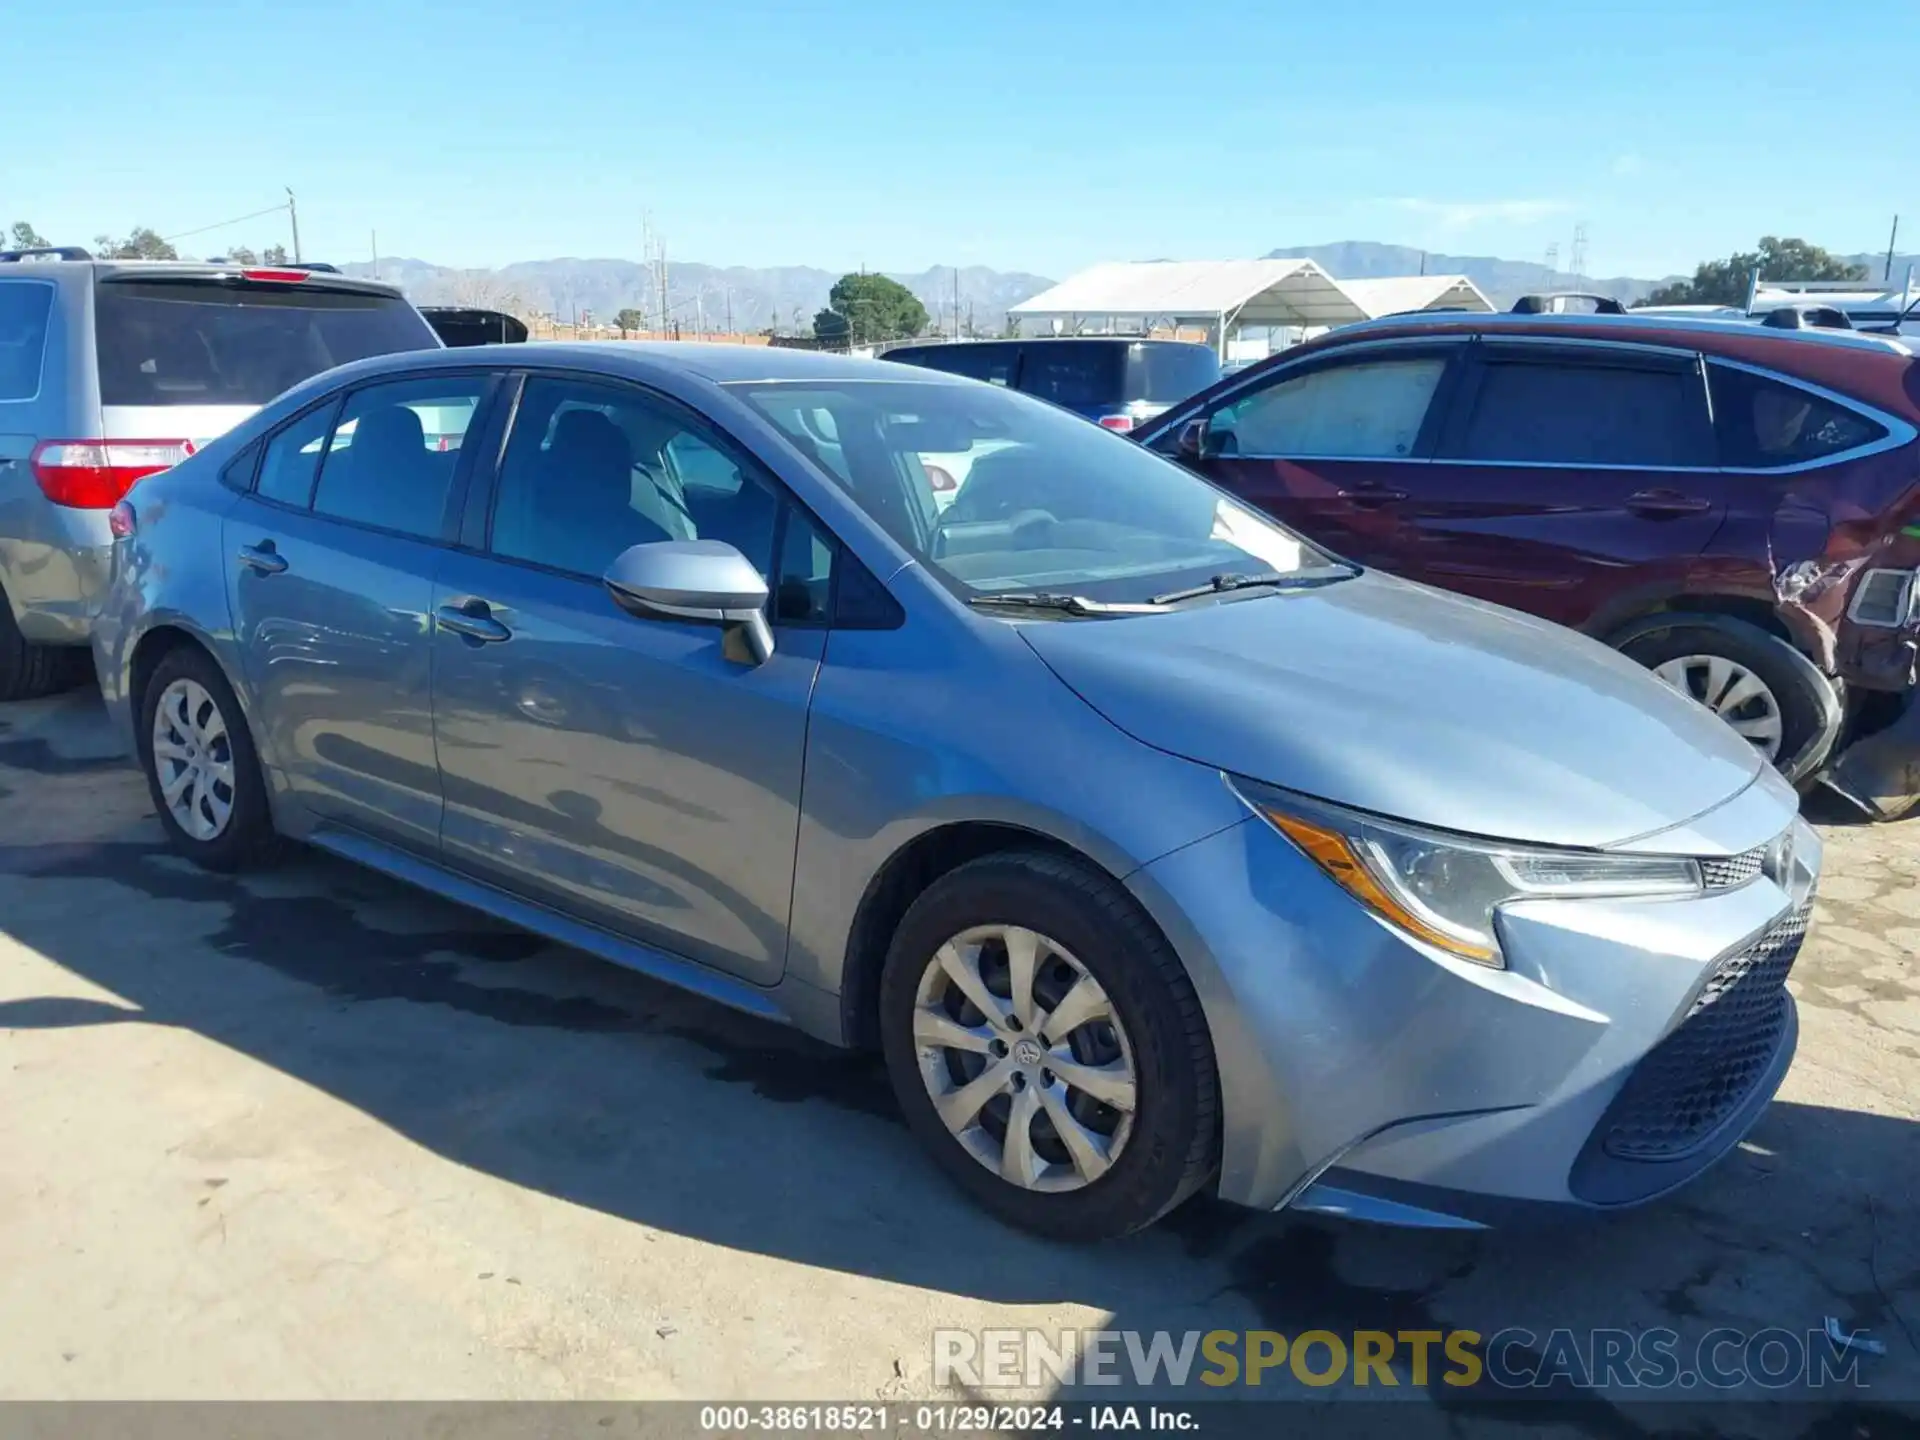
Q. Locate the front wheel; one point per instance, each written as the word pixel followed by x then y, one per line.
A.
pixel 1047 1047
pixel 1771 695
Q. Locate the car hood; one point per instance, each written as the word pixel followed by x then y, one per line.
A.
pixel 1409 702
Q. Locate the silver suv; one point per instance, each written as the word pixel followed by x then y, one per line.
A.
pixel 113 369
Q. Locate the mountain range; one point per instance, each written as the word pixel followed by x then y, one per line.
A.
pixel 786 297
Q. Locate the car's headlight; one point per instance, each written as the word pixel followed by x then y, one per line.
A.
pixel 1444 889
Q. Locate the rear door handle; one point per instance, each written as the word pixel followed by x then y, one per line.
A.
pixel 473 620
pixel 1372 495
pixel 263 558
pixel 1662 504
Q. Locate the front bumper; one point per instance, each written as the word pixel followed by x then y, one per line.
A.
pixel 1364 1074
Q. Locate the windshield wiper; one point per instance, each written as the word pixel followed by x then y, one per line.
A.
pixel 1065 604
pixel 1221 584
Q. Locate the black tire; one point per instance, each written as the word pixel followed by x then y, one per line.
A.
pixel 1804 697
pixel 248 842
pixel 1173 1148
pixel 28 671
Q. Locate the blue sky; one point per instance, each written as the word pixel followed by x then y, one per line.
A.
pixel 1044 135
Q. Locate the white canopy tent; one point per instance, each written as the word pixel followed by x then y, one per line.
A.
pixel 1222 295
pixel 1398 294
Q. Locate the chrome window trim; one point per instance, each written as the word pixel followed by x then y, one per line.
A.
pixel 1899 432
pixel 1493 324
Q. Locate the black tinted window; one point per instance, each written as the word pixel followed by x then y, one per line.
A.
pixel 391 460
pixel 991 363
pixel 203 343
pixel 24 307
pixel 1165 374
pixel 1081 375
pixel 593 469
pixel 293 458
pixel 1764 424
pixel 1574 414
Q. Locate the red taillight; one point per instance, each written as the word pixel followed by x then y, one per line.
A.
pixel 122 521
pixel 1122 423
pixel 96 474
pixel 939 479
pixel 275 277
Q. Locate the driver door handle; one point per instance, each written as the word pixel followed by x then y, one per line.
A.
pixel 1660 504
pixel 263 558
pixel 1371 495
pixel 473 620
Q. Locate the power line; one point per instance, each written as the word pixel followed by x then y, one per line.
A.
pixel 222 224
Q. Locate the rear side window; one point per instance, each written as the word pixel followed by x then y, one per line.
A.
pixel 1764 424
pixel 1559 413
pixel 1081 375
pixel 24 308
pixel 1371 410
pixel 197 342
pixel 391 460
pixel 1168 374
pixel 292 458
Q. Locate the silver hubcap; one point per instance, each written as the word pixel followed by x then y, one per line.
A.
pixel 193 758
pixel 1026 1061
pixel 1733 692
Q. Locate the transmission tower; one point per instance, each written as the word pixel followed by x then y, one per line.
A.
pixel 1577 262
pixel 1553 260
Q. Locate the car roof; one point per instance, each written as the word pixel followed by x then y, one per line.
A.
pixel 32 265
pixel 717 362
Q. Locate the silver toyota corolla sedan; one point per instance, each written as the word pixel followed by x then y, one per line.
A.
pixel 1155 848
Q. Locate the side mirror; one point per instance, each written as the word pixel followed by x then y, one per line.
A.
pixel 1192 444
pixel 701 582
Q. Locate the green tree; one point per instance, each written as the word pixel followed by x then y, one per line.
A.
pixel 830 328
pixel 870 308
pixel 25 237
pixel 141 244
pixel 1725 282
pixel 241 255
pixel 630 319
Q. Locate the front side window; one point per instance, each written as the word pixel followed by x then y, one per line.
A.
pixel 1569 413
pixel 1765 424
pixel 1367 410
pixel 391 458
pixel 1047 502
pixel 24 308
pixel 591 470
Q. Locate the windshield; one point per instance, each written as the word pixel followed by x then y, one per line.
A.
pixel 1023 496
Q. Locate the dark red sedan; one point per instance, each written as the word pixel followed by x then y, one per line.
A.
pixel 1736 506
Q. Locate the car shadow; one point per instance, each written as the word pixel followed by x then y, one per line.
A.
pixel 577 1080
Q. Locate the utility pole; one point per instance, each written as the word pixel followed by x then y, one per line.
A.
pixel 729 294
pixel 956 304
pixel 661 251
pixel 293 218
pixel 373 243
pixel 1886 275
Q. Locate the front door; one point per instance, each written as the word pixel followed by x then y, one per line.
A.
pixel 330 563
pixel 1569 481
pixel 641 775
pixel 1327 448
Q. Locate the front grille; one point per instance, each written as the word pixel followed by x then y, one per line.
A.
pixel 1733 870
pixel 1691 1081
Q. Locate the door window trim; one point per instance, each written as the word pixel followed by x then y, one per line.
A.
pixel 1900 433
pixel 1665 359
pixel 455 504
pixel 475 525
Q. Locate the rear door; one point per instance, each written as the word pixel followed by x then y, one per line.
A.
pixel 189 356
pixel 331 560
pixel 1330 447
pixel 1569 480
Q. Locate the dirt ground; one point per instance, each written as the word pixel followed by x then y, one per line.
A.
pixel 311 1134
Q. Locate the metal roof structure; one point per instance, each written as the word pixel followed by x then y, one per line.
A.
pixel 1218 293
pixel 1399 294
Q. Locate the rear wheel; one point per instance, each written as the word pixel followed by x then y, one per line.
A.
pixel 1047 1047
pixel 201 768
pixel 1752 680
pixel 28 671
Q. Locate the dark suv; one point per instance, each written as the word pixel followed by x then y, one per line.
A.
pixel 1120 381
pixel 1736 507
